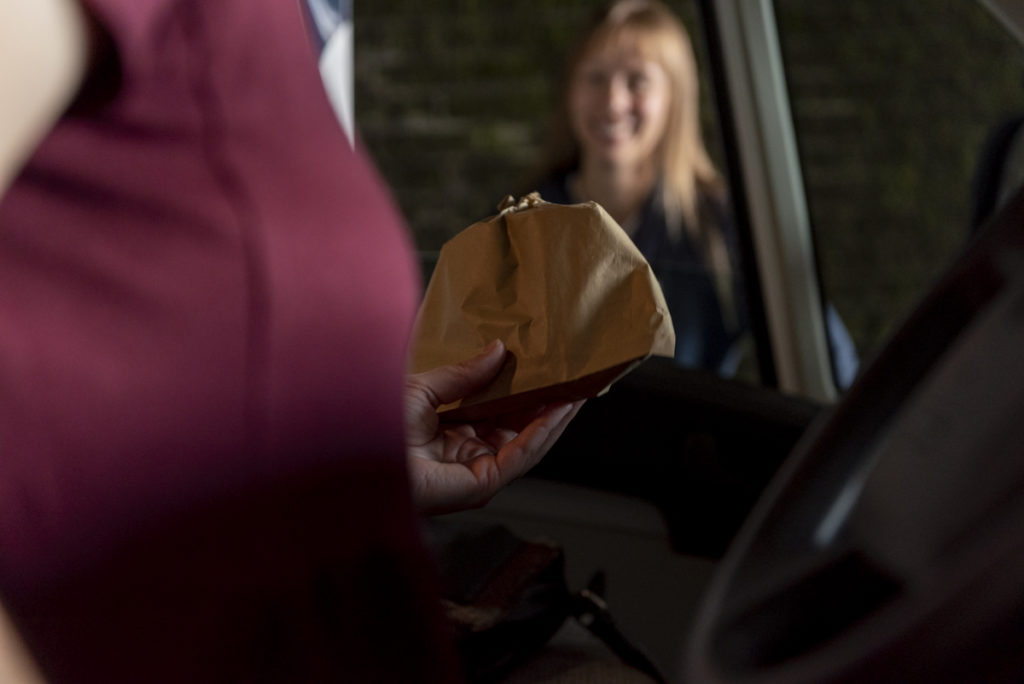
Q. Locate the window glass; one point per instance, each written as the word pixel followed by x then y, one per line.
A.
pixel 454 104
pixel 892 105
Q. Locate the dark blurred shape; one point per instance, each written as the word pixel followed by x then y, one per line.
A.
pixel 891 545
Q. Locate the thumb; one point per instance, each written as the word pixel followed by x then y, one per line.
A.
pixel 448 383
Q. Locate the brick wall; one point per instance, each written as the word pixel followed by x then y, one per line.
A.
pixel 893 101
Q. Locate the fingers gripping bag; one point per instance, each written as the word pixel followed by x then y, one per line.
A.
pixel 564 288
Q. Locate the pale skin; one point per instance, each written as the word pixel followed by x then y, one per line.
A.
pixel 458 466
pixel 618 110
pixel 44 47
pixel 45 52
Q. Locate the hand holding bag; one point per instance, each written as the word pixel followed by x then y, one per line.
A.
pixel 566 290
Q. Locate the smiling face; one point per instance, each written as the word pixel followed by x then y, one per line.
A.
pixel 619 103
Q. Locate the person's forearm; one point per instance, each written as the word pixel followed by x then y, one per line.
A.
pixel 44 47
pixel 16 666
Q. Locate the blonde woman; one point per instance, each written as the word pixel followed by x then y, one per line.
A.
pixel 627 136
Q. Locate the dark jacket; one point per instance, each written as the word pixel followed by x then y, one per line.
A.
pixel 710 322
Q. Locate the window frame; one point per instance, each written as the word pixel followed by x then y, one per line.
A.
pixel 768 189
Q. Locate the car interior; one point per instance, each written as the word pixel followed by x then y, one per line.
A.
pixel 739 533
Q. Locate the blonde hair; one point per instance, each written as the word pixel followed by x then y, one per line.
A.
pixel 686 169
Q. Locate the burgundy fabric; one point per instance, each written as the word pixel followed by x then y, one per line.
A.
pixel 205 296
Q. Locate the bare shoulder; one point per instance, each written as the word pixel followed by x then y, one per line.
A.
pixel 42 64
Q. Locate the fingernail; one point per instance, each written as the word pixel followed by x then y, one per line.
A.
pixel 561 410
pixel 494 345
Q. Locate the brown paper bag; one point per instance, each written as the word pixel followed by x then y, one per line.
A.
pixel 562 286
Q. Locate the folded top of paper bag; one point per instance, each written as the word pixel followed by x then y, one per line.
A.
pixel 563 287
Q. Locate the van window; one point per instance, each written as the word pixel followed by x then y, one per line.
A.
pixel 454 104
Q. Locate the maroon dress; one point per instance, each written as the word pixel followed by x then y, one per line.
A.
pixel 205 297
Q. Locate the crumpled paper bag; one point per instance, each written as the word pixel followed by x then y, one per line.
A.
pixel 566 290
